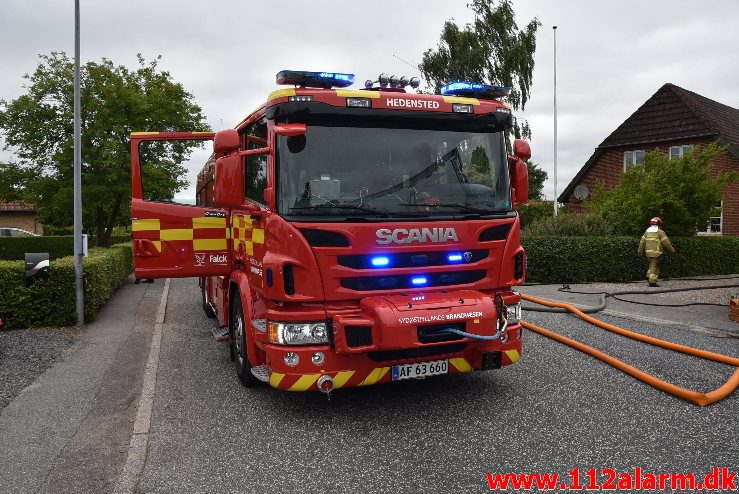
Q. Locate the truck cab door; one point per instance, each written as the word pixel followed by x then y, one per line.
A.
pixel 176 240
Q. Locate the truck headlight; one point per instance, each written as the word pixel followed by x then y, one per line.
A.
pixel 297 333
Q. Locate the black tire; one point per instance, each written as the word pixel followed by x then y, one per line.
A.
pixel 237 328
pixel 206 307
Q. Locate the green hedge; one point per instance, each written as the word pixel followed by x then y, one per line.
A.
pixel 577 259
pixel 52 302
pixel 57 246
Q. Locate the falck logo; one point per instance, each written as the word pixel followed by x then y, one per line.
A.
pixel 403 236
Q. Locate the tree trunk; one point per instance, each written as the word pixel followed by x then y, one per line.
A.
pixel 105 225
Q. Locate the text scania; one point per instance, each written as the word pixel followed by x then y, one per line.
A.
pixel 402 236
pixel 413 103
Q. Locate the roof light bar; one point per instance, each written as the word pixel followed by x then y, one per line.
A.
pixel 324 80
pixel 475 90
pixel 393 81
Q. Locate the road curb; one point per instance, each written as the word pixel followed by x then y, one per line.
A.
pixel 138 446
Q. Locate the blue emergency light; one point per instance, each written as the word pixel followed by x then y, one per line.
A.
pixel 475 90
pixel 454 257
pixel 419 280
pixel 324 80
pixel 379 261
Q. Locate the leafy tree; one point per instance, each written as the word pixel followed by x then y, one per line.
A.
pixel 680 191
pixel 491 50
pixel 38 127
pixel 537 177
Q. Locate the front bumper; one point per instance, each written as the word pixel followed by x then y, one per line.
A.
pixel 363 369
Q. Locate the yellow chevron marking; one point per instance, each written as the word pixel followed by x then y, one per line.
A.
pixel 374 376
pixel 209 222
pixel 176 234
pixel 157 244
pixel 341 378
pixel 304 382
pixel 460 364
pixel 281 93
pixel 460 100
pixel 353 93
pixel 144 133
pixel 208 243
pixel 257 235
pixel 145 224
pixel 513 355
pixel 275 378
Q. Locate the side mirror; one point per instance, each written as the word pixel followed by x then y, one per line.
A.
pixel 521 149
pixel 519 180
pixel 229 182
pixel 226 141
pixel 290 130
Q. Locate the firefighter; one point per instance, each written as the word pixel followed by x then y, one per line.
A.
pixel 654 242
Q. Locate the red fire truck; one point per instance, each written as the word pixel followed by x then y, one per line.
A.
pixel 351 237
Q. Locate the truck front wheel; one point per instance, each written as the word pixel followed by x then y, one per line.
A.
pixel 238 337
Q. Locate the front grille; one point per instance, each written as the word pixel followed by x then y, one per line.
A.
pixel 435 333
pixel 498 232
pixel 427 351
pixel 413 259
pixel 324 238
pixel 369 283
pixel 358 336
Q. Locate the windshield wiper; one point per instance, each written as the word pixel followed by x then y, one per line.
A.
pixel 464 207
pixel 367 209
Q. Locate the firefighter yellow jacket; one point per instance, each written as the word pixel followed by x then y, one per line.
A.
pixel 654 242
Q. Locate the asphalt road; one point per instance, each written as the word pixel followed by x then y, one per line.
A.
pixel 555 410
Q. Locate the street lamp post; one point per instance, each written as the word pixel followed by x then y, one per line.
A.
pixel 78 253
pixel 554 30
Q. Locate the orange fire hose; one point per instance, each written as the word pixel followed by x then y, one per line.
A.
pixel 700 399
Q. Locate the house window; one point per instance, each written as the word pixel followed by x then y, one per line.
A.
pixel 633 158
pixel 679 151
pixel 715 222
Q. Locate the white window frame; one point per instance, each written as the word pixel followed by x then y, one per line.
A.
pixel 630 158
pixel 681 150
pixel 720 223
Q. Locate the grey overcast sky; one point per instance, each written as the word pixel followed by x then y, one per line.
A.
pixel 612 55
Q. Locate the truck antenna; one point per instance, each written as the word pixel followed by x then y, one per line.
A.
pixel 410 65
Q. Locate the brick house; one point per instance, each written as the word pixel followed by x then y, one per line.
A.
pixel 22 215
pixel 672 120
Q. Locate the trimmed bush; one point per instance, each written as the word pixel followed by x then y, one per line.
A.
pixel 57 246
pixel 568 259
pixel 52 302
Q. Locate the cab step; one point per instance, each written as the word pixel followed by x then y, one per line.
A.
pixel 261 372
pixel 220 333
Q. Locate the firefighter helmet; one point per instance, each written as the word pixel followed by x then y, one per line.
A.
pixel 655 221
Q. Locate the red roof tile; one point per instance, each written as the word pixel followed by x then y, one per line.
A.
pixel 674 113
pixel 16 206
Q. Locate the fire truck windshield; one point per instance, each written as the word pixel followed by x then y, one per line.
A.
pixel 345 171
